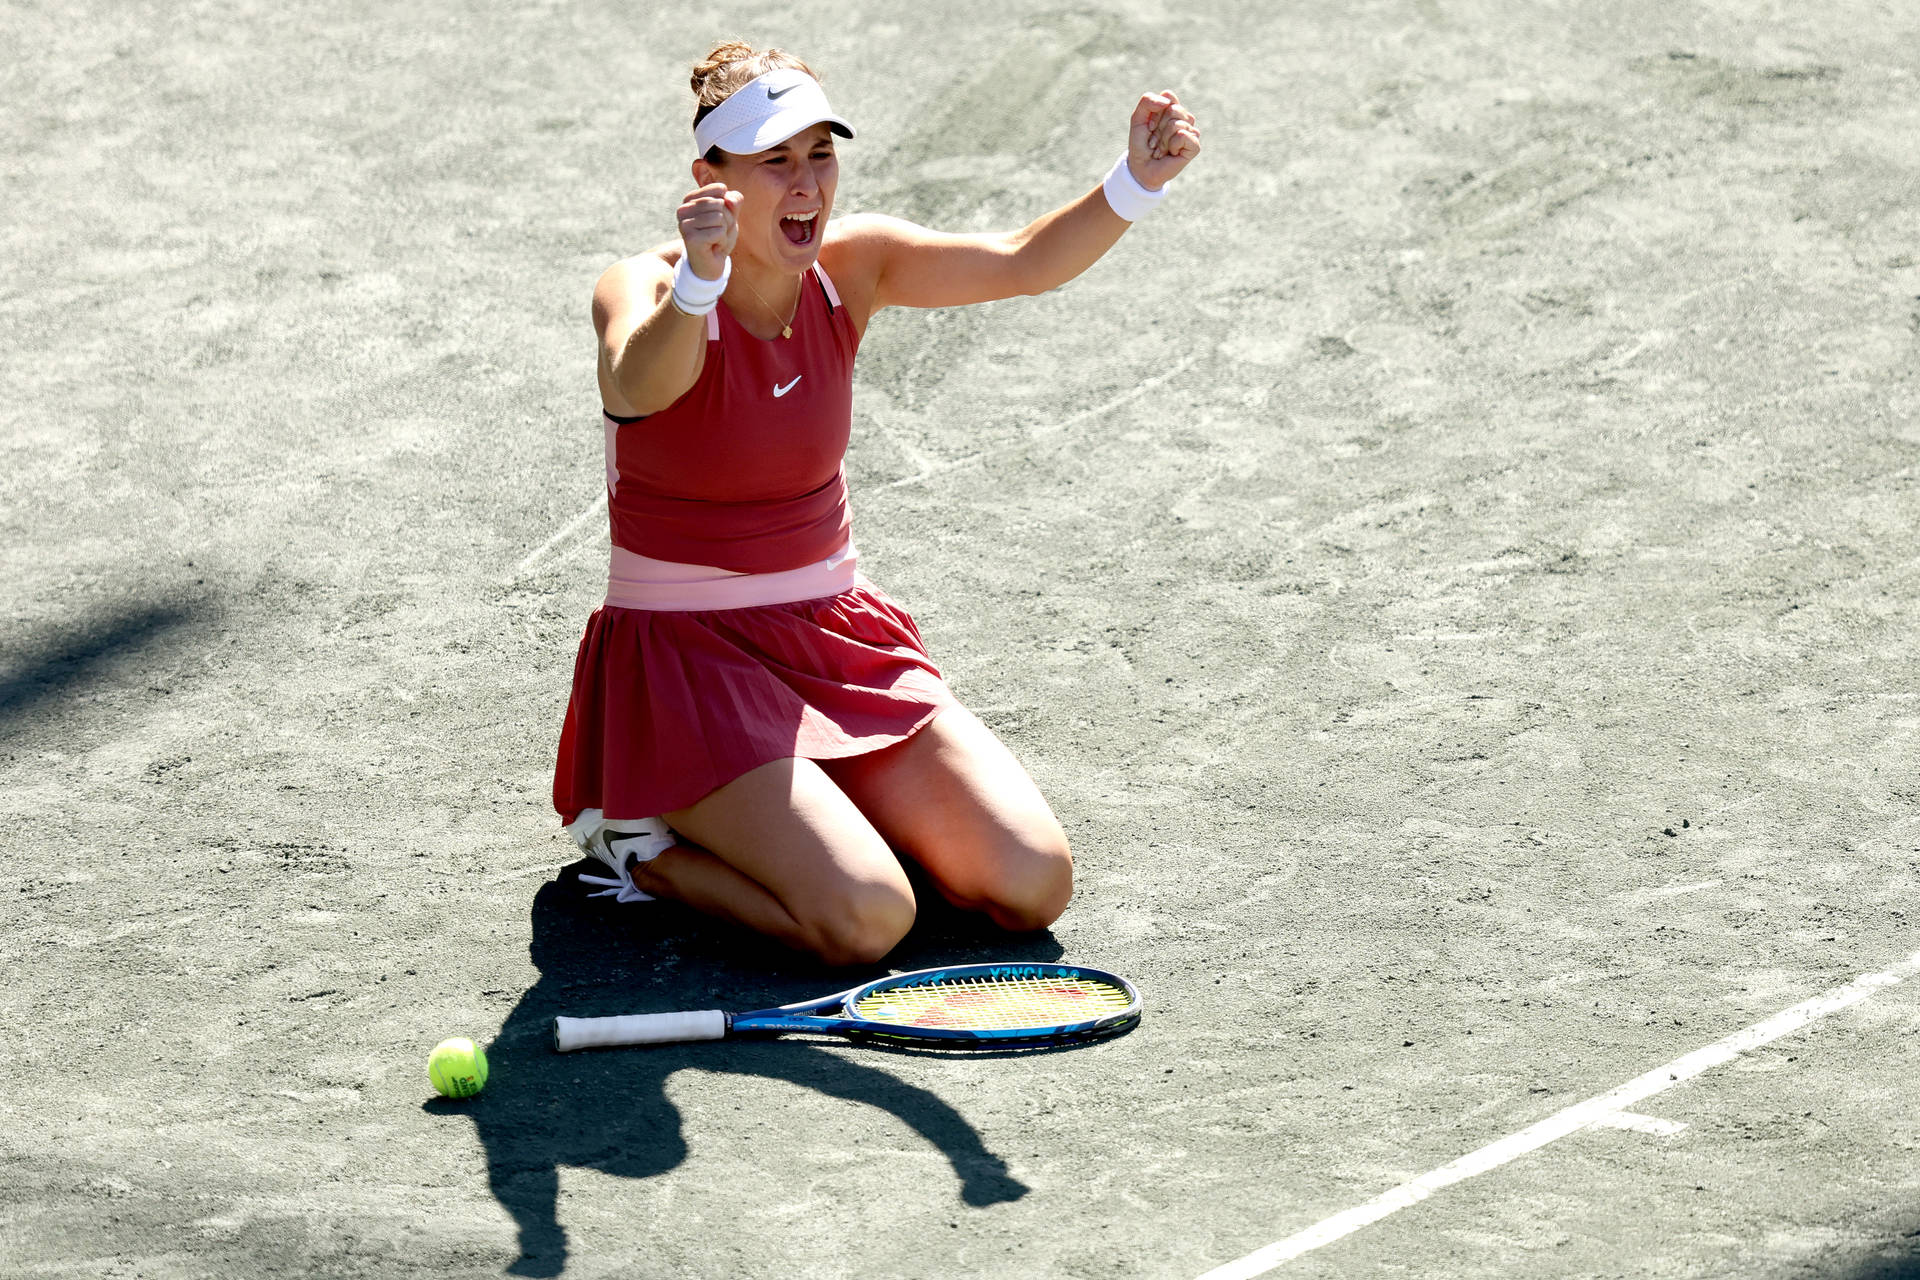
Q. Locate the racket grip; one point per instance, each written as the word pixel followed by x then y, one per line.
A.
pixel 638 1028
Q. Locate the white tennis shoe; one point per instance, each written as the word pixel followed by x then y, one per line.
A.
pixel 620 843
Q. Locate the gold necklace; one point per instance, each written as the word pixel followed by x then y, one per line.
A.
pixel 786 326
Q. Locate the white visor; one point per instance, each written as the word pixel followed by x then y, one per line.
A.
pixel 766 112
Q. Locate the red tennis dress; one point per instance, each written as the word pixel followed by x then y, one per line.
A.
pixel 735 492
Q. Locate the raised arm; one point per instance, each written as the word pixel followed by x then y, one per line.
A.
pixel 915 267
pixel 651 351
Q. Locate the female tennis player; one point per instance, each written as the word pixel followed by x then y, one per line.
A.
pixel 755 728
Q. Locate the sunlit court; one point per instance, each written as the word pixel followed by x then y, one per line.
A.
pixel 891 695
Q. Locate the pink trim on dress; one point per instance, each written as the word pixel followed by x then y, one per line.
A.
pixel 635 581
pixel 833 295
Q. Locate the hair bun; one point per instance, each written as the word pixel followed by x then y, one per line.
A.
pixel 717 60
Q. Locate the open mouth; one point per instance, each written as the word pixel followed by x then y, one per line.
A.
pixel 799 229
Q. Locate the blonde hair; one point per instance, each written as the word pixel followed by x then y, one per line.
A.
pixel 730 65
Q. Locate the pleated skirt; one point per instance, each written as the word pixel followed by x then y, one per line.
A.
pixel 669 705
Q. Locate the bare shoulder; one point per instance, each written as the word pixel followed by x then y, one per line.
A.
pixel 634 283
pixel 854 253
pixel 862 236
pixel 903 264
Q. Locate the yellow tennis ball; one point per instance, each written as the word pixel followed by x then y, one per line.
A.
pixel 457 1067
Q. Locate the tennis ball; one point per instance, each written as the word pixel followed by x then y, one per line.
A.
pixel 457 1067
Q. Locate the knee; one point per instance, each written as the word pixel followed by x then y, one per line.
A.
pixel 861 924
pixel 1037 891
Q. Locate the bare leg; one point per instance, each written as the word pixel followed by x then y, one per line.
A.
pixel 691 875
pixel 953 798
pixel 782 850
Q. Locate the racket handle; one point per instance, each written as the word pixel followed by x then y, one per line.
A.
pixel 638 1028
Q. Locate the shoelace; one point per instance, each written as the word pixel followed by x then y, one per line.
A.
pixel 620 889
pixel 615 848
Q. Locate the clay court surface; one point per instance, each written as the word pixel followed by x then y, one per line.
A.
pixel 1453 571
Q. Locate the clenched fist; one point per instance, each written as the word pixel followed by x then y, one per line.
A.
pixel 1161 138
pixel 709 224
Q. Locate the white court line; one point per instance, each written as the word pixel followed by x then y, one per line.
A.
pixel 599 504
pixel 566 531
pixel 1598 1110
pixel 1670 890
pixel 1054 428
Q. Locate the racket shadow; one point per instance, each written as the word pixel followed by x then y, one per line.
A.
pixel 609 1110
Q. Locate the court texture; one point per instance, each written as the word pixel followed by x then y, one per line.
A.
pixel 1452 569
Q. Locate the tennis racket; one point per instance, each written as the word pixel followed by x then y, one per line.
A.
pixel 963 1006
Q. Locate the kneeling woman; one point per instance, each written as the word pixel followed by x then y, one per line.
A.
pixel 755 728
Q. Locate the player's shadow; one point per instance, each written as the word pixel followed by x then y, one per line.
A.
pixel 39 680
pixel 1898 1260
pixel 608 1109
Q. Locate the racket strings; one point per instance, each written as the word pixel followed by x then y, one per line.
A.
pixel 983 1004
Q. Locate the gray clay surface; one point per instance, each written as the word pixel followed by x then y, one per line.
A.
pixel 1453 571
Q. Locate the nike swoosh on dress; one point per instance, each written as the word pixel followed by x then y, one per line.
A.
pixel 779 391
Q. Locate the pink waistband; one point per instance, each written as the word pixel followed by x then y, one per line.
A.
pixel 641 582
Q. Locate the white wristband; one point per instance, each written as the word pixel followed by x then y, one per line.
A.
pixel 1125 194
pixel 693 294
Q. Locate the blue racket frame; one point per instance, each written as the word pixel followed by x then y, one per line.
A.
pixel 802 1016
